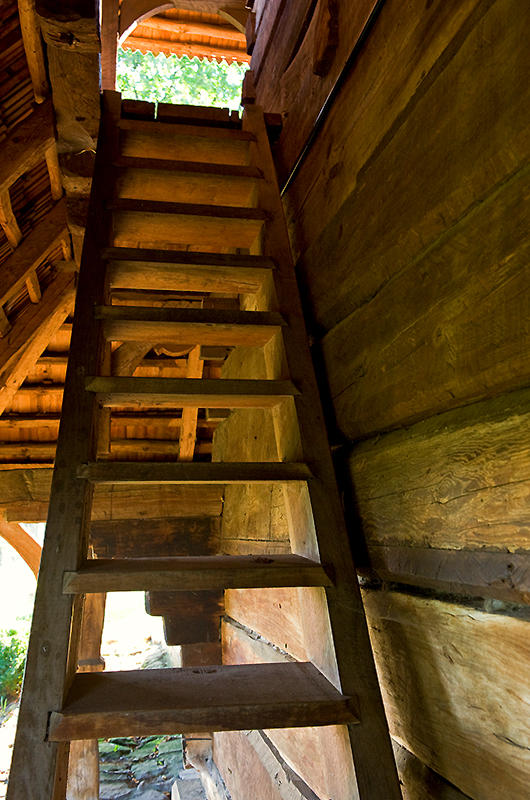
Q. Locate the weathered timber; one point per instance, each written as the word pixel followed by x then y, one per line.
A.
pixel 191 143
pixel 186 182
pixel 8 222
pixel 155 537
pixel 194 572
pixel 161 604
pixel 476 573
pixel 332 776
pixel 56 301
pixel 25 493
pixel 27 145
pixel 182 393
pixel 212 326
pixel 188 430
pixel 117 704
pixel 56 304
pixel 443 482
pixel 454 681
pixel 33 49
pixel 24 544
pixel 33 250
pixel 223 473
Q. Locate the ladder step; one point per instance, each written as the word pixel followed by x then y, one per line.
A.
pixel 174 225
pixel 194 573
pixel 221 698
pixel 188 209
pixel 201 167
pixel 189 392
pixel 157 179
pixel 187 258
pixel 188 325
pixel 200 131
pixel 168 270
pixel 194 473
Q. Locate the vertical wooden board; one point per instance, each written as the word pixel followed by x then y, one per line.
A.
pixel 458 480
pixel 321 756
pixel 419 782
pixel 455 684
pixel 241 768
pixel 272 613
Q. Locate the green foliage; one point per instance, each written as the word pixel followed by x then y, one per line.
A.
pixel 185 81
pixel 13 647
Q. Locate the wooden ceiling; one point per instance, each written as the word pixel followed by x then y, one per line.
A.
pixel 45 173
pixel 190 33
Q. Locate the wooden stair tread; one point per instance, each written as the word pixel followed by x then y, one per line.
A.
pixel 201 167
pixel 184 129
pixel 188 209
pixel 194 472
pixel 191 392
pixel 207 316
pixel 164 701
pixel 187 258
pixel 190 573
pixel 188 325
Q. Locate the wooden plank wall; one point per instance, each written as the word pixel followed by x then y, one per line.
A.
pixel 409 225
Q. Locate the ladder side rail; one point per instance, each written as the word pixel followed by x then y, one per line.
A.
pixel 301 436
pixel 39 767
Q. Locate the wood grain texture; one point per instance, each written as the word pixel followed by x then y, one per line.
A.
pixel 194 473
pixel 455 687
pixel 188 573
pixel 459 480
pixel 25 494
pixel 143 702
pixel 27 145
pixel 24 544
pixel 44 238
pixel 167 537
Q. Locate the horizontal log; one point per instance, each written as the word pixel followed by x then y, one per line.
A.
pixel 192 142
pixel 156 537
pixel 454 683
pixel 195 473
pixel 133 449
pixel 459 480
pixel 477 573
pixel 25 493
pixel 160 604
pixel 186 393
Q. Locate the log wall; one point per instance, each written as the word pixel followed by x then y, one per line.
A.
pixel 408 219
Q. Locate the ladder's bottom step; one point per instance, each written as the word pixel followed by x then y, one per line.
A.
pixel 223 698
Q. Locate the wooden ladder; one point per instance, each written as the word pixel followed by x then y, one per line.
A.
pixel 243 249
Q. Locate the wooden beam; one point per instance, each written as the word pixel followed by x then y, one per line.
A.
pixel 188 431
pixel 34 249
pixel 8 221
pixel 194 573
pixel 157 46
pixel 25 493
pixel 33 287
pixel 54 172
pixel 174 536
pixel 23 543
pixel 27 145
pixel 33 48
pixel 476 573
pixel 137 450
pixel 236 15
pixel 37 324
pixel 109 43
pixel 186 29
